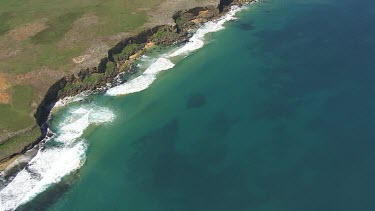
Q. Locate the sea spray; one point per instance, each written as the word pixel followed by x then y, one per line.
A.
pixel 143 81
pixel 65 154
pixel 196 42
pixel 52 163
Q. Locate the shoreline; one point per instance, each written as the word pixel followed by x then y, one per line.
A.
pixel 163 35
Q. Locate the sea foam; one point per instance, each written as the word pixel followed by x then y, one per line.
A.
pixel 196 42
pixel 52 163
pixel 143 81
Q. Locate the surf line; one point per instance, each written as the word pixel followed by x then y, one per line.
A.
pixel 52 164
pixel 163 63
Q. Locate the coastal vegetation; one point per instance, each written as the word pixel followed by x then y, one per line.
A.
pixel 17 143
pixel 129 50
pixel 57 53
pixel 42 38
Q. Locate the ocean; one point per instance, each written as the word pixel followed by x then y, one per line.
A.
pixel 274 112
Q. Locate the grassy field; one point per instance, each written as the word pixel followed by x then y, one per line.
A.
pixel 18 143
pixel 43 40
pixel 17 115
pixel 43 34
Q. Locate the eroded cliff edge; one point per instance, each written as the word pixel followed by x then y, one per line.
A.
pixel 120 58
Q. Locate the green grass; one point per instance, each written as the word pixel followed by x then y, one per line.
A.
pixel 159 34
pixel 41 50
pixel 70 87
pixel 18 143
pixel 22 97
pixel 13 120
pixel 4 18
pixel 17 116
pixel 180 21
pixel 49 48
pixel 56 28
pixel 163 33
pixel 109 68
pixel 129 50
pixel 92 79
pixel 45 55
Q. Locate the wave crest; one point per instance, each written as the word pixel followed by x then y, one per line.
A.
pixel 52 163
pixel 196 42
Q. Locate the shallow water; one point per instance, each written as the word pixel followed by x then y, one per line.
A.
pixel 274 113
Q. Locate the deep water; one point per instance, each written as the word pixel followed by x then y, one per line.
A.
pixel 276 112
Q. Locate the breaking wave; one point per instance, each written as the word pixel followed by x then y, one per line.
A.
pixel 196 42
pixel 143 81
pixel 67 153
pixel 62 155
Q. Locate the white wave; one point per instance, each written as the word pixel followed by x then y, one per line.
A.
pixel 143 81
pixel 68 100
pixel 160 65
pixel 51 164
pixel 196 42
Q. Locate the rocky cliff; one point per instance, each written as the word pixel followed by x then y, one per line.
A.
pixel 120 58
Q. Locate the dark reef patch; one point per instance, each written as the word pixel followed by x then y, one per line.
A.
pixel 248 26
pixel 151 148
pixel 195 100
pixel 220 124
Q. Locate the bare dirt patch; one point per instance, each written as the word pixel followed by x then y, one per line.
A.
pixel 164 12
pixel 79 34
pixel 6 51
pixel 92 56
pixel 40 80
pixel 143 9
pixel 4 85
pixel 28 30
pixel 80 59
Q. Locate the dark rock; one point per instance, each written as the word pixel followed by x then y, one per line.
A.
pixel 178 33
pixel 223 4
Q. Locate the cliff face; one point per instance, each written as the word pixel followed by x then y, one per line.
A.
pixel 119 58
pixel 49 100
pixel 223 4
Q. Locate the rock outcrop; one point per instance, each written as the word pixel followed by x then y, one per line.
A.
pixel 119 58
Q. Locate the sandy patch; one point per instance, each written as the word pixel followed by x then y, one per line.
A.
pixel 80 59
pixel 28 30
pixel 4 85
pixel 139 53
pixel 195 21
pixel 203 13
pixel 8 162
pixel 149 45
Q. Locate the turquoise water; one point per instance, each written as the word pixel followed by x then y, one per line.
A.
pixel 275 113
